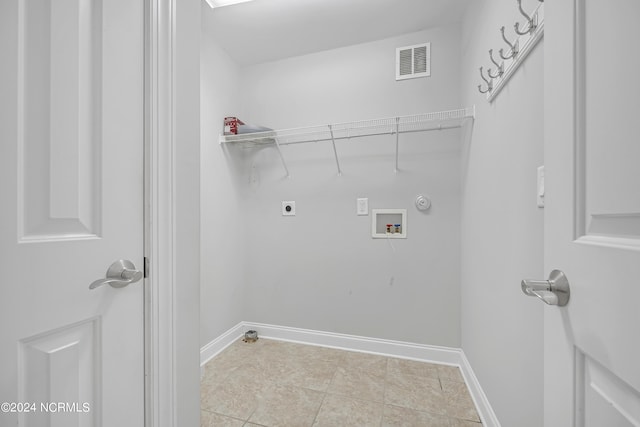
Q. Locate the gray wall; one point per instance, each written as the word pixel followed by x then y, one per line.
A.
pixel 222 230
pixel 321 269
pixel 502 229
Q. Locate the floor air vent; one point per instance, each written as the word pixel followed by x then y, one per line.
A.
pixel 413 61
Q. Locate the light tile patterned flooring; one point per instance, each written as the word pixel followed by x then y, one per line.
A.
pixel 274 383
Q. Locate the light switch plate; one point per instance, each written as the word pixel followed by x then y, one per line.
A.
pixel 362 206
pixel 540 189
pixel 288 208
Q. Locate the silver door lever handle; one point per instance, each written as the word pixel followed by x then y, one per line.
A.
pixel 120 274
pixel 554 291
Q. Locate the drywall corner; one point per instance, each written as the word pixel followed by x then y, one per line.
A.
pixel 502 228
pixel 222 235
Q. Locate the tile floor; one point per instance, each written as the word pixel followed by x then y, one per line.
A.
pixel 273 383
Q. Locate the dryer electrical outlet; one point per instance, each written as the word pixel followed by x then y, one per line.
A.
pixel 289 208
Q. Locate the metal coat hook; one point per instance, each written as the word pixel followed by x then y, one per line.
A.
pixel 513 47
pixel 530 21
pixel 499 67
pixel 488 82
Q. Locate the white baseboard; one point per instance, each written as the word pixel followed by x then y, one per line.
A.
pixel 485 410
pixel 209 351
pixel 399 349
pixel 405 350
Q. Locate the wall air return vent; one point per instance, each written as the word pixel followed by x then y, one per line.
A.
pixel 413 61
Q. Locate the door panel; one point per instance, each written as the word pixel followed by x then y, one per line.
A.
pixel 59 121
pixel 607 400
pixel 70 361
pixel 608 108
pixel 592 213
pixel 71 179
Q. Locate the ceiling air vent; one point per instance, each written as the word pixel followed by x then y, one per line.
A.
pixel 413 61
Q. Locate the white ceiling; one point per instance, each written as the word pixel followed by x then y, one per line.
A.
pixel 266 30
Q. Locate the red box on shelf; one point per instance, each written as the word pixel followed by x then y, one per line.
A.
pixel 231 125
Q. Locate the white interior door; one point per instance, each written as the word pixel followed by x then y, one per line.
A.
pixel 71 180
pixel 592 213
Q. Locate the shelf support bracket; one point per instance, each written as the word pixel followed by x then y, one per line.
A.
pixel 335 152
pixel 397 142
pixel 284 164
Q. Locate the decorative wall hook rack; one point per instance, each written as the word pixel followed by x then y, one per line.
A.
pixel 527 37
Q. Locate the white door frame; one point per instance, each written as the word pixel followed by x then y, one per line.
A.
pixel 160 221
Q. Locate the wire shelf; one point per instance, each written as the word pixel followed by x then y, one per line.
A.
pixel 338 131
pixel 331 132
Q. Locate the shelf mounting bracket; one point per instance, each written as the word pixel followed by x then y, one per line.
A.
pixel 284 164
pixel 335 152
pixel 397 142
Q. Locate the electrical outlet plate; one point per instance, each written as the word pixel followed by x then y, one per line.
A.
pixel 288 208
